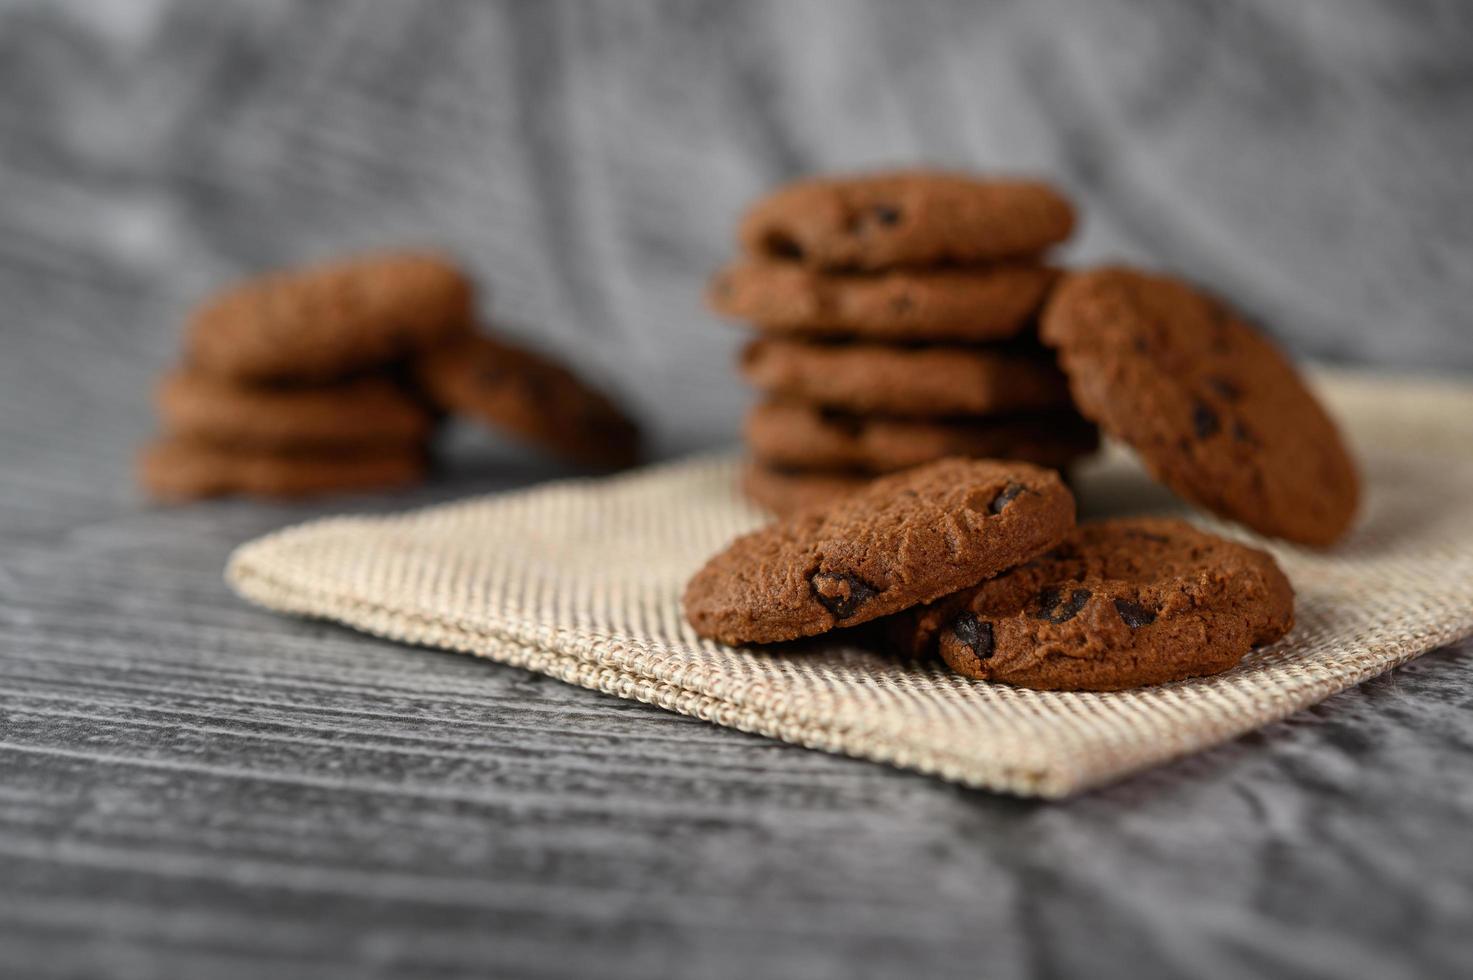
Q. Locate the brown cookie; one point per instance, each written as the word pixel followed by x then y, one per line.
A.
pixel 530 396
pixel 784 491
pixel 901 541
pixel 981 303
pixel 908 218
pixel 1215 410
pixel 366 412
pixel 802 436
pixel 1121 603
pixel 907 381
pixel 328 321
pixel 181 469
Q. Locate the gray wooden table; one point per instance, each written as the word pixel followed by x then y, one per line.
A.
pixel 192 787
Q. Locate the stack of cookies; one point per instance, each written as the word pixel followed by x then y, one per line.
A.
pixel 332 378
pixel 979 562
pixel 897 318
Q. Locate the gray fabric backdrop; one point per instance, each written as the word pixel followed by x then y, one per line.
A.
pixel 193 788
pixel 588 158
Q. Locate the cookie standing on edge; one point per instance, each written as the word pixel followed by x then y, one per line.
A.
pixel 915 382
pixel 1121 603
pixel 530 396
pixel 787 433
pixel 901 541
pixel 964 305
pixel 327 321
pixel 884 220
pixel 367 412
pixel 1213 407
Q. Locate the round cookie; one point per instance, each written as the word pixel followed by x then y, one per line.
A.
pixel 801 436
pixel 182 469
pixel 530 396
pixel 1214 409
pixel 968 305
pixel 364 412
pixel 784 491
pixel 328 321
pixel 901 541
pixel 906 218
pixel 908 381
pixel 1121 603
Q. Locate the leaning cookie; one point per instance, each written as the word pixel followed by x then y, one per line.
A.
pixel 1213 407
pixel 960 305
pixel 798 435
pixel 901 541
pixel 915 382
pixel 1120 604
pixel 332 320
pixel 908 218
pixel 364 412
pixel 530 396
pixel 179 470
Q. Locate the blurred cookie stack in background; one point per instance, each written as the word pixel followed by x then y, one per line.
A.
pixel 896 317
pixel 332 378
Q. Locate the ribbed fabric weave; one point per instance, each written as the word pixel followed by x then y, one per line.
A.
pixel 582 580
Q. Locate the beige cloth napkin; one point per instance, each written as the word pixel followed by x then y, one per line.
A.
pixel 581 581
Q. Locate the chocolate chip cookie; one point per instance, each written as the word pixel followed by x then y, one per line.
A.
pixel 332 320
pixel 1119 604
pixel 908 218
pixel 1213 407
pixel 907 381
pixel 783 491
pixel 186 469
pixel 530 396
pixel 980 303
pixel 367 411
pixel 798 435
pixel 903 540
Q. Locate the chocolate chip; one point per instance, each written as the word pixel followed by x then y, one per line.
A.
pixel 1205 420
pixel 1225 388
pixel 975 634
pixel 1053 609
pixel 840 592
pixel 1243 434
pixel 1133 614
pixel 1005 497
pixel 781 245
pixel 887 214
pixel 902 304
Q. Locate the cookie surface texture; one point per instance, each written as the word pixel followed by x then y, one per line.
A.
pixel 1121 603
pixel 915 382
pixel 802 436
pixel 784 491
pixel 369 411
pixel 1215 410
pixel 900 541
pixel 887 220
pixel 984 303
pixel 181 470
pixel 331 320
